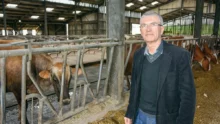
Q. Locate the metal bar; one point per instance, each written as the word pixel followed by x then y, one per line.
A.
pixel 23 89
pixel 75 80
pixel 79 96
pixel 85 75
pixel 100 70
pixel 58 42
pixel 38 88
pixel 33 79
pixel 30 96
pixel 62 83
pixel 3 90
pixel 128 56
pixel 32 111
pixel 5 22
pixel 108 71
pixel 45 18
pixel 167 40
pixel 84 95
pixel 40 112
pixel 18 52
pixel 198 18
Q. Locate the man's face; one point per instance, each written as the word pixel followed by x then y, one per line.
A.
pixel 151 30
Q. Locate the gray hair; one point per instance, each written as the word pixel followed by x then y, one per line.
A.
pixel 150 13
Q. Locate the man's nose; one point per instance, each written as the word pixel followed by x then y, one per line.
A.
pixel 148 29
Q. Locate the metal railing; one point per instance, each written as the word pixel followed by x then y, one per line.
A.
pixel 79 97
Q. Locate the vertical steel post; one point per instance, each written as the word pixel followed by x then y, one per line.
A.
pixel 45 19
pixel 3 90
pixel 198 18
pixel 23 89
pixel 217 18
pixel 4 14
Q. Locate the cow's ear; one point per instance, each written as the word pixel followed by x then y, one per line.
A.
pixel 44 74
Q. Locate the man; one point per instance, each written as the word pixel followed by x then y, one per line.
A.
pixel 162 87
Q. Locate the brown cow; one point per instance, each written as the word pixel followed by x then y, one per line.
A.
pixel 210 53
pixel 41 64
pixel 128 68
pixel 201 58
pixel 177 43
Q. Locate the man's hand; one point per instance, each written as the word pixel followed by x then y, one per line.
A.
pixel 127 120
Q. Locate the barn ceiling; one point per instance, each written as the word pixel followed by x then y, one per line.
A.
pixel 21 14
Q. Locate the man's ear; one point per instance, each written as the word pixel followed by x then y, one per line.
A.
pixel 162 29
pixel 45 74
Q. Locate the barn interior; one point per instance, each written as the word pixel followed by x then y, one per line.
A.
pixel 85 20
pixel 88 17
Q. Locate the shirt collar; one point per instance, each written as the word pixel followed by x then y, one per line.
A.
pixel 158 50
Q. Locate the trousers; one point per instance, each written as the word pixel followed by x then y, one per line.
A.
pixel 145 118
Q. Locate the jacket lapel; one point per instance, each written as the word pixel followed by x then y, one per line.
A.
pixel 164 68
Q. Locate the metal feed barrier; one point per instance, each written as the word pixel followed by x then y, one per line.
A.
pixel 79 90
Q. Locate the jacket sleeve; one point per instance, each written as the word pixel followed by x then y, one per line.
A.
pixel 131 108
pixel 187 90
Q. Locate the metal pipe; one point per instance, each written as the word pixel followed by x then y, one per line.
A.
pixel 18 52
pixel 108 71
pixel 3 90
pixel 40 112
pixel 38 88
pixel 5 23
pixel 23 89
pixel 75 79
pixel 24 41
pixel 62 83
pixel 45 19
pixel 100 70
pixel 85 75
pixel 85 94
pixel 79 96
pixel 32 110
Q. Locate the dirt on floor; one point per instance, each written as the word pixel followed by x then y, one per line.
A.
pixel 207 99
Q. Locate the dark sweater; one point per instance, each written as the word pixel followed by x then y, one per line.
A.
pixel 149 82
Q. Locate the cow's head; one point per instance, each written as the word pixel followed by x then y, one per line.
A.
pixel 55 76
pixel 206 64
pixel 201 58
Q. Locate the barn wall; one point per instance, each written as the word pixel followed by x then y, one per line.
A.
pixel 72 27
pixel 187 4
pixel 53 29
pixel 93 24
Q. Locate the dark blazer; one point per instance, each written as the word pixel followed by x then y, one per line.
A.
pixel 176 94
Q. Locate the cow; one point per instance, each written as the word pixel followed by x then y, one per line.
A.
pixel 39 63
pixel 210 53
pixel 201 58
pixel 43 68
pixel 217 48
pixel 178 42
pixel 128 68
